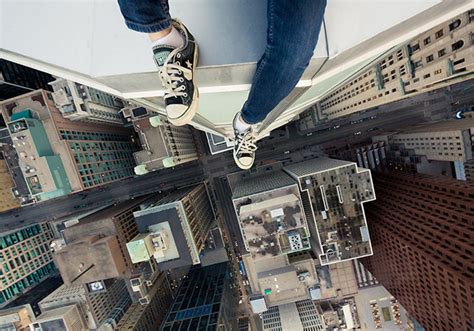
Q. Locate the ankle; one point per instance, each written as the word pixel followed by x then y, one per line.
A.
pixel 240 124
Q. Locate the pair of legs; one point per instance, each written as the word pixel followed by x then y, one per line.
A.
pixel 292 34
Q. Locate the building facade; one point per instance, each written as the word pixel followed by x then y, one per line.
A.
pixel 204 301
pixel 7 198
pixel 173 229
pixel 435 56
pixel 92 154
pixel 26 260
pixel 163 145
pixel 421 228
pixel 151 316
pixel 78 102
pixel 16 79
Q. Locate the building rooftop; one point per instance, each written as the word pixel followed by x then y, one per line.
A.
pixel 43 170
pixel 274 226
pixel 154 146
pixel 337 191
pixel 90 259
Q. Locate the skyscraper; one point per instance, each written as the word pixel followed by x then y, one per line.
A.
pixel 95 244
pixel 163 145
pixel 204 301
pixel 149 317
pixel 26 260
pixel 91 154
pixel 16 79
pixel 78 102
pixel 431 57
pixel 422 232
pixel 173 228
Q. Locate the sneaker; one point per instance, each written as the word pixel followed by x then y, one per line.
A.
pixel 244 147
pixel 176 68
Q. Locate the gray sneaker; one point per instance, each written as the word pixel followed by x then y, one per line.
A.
pixel 244 147
pixel 176 68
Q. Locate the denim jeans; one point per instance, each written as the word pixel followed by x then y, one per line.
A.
pixel 292 34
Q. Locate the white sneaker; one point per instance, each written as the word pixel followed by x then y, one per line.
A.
pixel 244 147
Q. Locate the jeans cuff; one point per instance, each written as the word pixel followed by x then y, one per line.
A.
pixel 149 28
pixel 246 120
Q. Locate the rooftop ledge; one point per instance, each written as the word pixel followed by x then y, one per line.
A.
pixel 88 42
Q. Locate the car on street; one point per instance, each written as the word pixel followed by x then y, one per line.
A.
pixel 357 133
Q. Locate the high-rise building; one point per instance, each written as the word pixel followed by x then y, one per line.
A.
pixel 17 318
pixel 16 79
pixel 94 246
pixel 469 170
pixel 96 306
pixel 67 318
pixel 26 260
pixel 422 232
pixel 91 154
pixel 7 198
pixel 163 145
pixel 300 315
pixel 41 167
pixel 432 149
pixel 149 317
pixel 173 229
pixel 334 192
pixel 273 223
pixel 205 301
pixel 440 53
pixel 289 215
pixel 78 102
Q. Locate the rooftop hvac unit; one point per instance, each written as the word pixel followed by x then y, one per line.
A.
pixel 295 241
pixel 136 283
pixel 145 300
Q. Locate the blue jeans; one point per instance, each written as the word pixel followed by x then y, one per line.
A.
pixel 292 34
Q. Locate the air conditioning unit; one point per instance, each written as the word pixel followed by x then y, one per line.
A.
pixel 144 300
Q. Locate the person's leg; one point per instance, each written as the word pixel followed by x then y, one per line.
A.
pixel 293 30
pixel 174 52
pixel 292 34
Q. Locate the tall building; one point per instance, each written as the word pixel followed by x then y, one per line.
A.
pixel 95 306
pixel 78 102
pixel 421 229
pixel 444 51
pixel 91 154
pixel 41 167
pixel 94 246
pixel 66 318
pixel 273 223
pixel 149 317
pixel 173 229
pixel 288 215
pixel 17 79
pixel 205 301
pixel 225 73
pixel 335 192
pixel 16 318
pixel 163 145
pixel 300 315
pixel 26 260
pixel 7 198
pixel 433 148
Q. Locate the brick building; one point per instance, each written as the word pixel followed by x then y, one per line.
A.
pixel 422 230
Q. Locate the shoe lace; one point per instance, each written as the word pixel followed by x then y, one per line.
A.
pixel 246 142
pixel 171 77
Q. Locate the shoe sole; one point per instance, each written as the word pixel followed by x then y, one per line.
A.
pixel 240 165
pixel 188 116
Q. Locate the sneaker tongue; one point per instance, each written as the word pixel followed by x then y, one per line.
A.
pixel 161 53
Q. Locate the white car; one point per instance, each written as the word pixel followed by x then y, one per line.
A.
pixel 357 133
